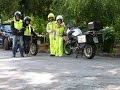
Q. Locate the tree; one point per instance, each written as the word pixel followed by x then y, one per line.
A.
pixel 7 7
pixel 84 11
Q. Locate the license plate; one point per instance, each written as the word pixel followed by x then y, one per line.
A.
pixel 95 39
pixel 38 42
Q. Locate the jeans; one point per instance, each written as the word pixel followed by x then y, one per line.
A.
pixel 17 41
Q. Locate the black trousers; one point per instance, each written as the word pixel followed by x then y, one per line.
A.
pixel 27 40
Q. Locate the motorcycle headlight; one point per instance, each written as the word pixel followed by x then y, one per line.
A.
pixel 11 36
pixel 3 33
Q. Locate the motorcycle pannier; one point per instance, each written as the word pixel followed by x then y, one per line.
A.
pixel 82 39
pixel 85 38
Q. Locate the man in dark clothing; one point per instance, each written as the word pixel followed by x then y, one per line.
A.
pixel 28 32
pixel 17 28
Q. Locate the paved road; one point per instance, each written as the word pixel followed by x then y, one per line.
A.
pixel 42 72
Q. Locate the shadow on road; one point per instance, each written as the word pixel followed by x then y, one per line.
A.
pixel 42 72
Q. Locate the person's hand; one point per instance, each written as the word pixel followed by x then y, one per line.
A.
pixel 20 31
pixel 59 25
pixel 52 31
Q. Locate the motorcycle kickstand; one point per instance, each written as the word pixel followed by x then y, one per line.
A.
pixel 77 54
pixel 82 53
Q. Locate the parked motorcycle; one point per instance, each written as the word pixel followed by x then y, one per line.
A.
pixel 34 43
pixel 82 43
pixel 38 43
pixel 31 48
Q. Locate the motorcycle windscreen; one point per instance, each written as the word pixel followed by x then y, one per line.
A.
pixel 77 32
pixel 82 39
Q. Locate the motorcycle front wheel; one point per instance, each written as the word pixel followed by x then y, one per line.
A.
pixel 67 49
pixel 89 51
pixel 33 49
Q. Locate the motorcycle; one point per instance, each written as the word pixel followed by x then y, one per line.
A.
pixel 82 43
pixel 34 43
pixel 31 48
pixel 37 43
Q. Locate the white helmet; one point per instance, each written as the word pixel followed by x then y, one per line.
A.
pixel 59 17
pixel 17 13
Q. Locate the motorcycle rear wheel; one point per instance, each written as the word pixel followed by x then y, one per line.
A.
pixel 89 51
pixel 33 49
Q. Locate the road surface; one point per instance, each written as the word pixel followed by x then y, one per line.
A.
pixel 43 72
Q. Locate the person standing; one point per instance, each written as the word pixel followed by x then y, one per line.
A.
pixel 60 27
pixel 28 32
pixel 17 29
pixel 51 30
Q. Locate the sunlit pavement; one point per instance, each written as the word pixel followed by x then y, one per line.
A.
pixel 43 72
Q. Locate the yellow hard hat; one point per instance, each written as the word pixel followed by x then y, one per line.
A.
pixel 51 15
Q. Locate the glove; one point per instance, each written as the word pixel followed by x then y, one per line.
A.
pixel 20 32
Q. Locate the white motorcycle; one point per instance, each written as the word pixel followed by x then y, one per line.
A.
pixel 82 43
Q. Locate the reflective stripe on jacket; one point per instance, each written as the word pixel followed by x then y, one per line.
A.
pixel 50 27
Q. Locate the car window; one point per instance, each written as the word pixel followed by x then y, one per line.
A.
pixel 7 28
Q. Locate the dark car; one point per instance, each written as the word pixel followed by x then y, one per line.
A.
pixel 6 36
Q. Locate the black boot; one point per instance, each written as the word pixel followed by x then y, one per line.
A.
pixel 52 55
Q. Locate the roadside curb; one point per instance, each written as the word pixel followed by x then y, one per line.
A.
pixel 109 55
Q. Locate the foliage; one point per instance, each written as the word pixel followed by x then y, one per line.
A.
pixel 8 7
pixel 38 24
pixel 109 39
pixel 75 12
pixel 39 8
pixel 83 11
pixel 117 30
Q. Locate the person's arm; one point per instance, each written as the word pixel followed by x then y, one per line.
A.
pixel 23 28
pixel 47 29
pixel 33 32
pixel 64 32
pixel 15 31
